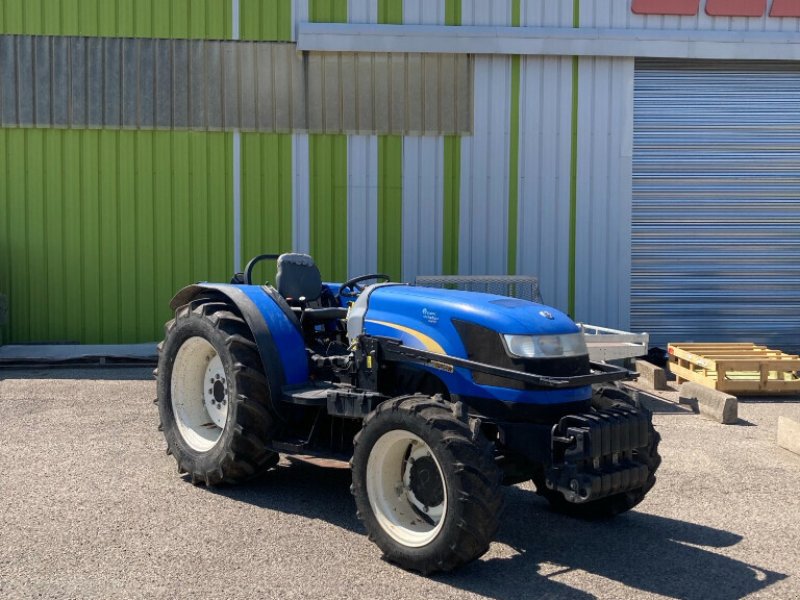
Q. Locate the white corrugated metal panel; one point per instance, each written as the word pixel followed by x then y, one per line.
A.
pixel 603 215
pixel 544 168
pixel 362 204
pixel 362 177
pixel 423 206
pixel 545 13
pixel 301 204
pixel 716 206
pixel 484 155
pixel 423 12
pixel 603 212
pixel 606 13
pixel 613 13
pixel 423 170
pixel 299 15
pixel 362 11
pixel 544 158
pixel 300 165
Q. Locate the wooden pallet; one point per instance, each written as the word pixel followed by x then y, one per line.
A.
pixel 739 369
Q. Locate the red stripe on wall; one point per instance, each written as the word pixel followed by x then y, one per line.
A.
pixel 736 8
pixel 785 8
pixel 665 7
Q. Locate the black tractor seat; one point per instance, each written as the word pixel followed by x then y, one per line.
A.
pixel 299 281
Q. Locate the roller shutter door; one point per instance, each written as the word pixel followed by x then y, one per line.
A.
pixel 716 203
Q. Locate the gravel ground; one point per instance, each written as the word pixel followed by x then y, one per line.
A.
pixel 92 507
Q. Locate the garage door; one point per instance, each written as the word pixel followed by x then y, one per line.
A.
pixel 716 203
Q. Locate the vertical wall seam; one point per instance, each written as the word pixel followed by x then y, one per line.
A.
pixel 513 153
pixel 328 176
pixel 390 179
pixel 118 228
pixel 452 174
pixel 573 167
pixel 237 165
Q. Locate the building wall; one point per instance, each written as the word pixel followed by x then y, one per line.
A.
pixel 98 228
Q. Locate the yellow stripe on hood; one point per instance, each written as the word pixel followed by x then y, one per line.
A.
pixel 430 344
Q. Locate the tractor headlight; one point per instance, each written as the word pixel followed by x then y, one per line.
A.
pixel 546 346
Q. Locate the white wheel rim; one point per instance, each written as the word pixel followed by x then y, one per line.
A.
pixel 199 390
pixel 391 483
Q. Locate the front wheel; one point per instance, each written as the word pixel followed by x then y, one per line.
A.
pixel 425 484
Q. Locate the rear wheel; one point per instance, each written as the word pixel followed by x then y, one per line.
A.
pixel 608 397
pixel 213 398
pixel 426 484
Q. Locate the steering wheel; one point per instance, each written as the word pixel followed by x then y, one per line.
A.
pixel 350 288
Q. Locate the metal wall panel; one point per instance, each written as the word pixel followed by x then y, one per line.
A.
pixel 423 206
pixel 201 19
pixel 544 175
pixel 266 197
pixel 603 211
pixel 99 228
pixel 603 214
pixel 423 181
pixel 362 204
pixel 301 204
pixel 362 169
pixel 613 13
pixel 546 13
pixel 80 82
pixel 716 209
pixel 485 154
pixel 544 159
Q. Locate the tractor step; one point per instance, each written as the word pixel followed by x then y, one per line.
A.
pixel 341 400
pixel 316 395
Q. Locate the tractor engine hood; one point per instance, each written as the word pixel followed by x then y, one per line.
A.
pixel 430 318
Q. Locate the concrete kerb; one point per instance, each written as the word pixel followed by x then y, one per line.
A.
pixel 653 375
pixel 789 434
pixel 710 404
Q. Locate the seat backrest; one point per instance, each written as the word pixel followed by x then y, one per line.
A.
pixel 298 277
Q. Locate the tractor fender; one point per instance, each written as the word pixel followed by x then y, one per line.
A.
pixel 274 327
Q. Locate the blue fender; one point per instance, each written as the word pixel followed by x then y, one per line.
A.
pixel 274 328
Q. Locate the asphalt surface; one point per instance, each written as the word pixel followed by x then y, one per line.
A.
pixel 92 507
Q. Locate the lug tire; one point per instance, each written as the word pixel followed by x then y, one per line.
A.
pixel 469 477
pixel 605 508
pixel 240 451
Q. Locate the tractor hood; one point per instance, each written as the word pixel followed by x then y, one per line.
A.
pixel 425 318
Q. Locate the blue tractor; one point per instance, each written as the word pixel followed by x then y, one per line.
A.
pixel 438 397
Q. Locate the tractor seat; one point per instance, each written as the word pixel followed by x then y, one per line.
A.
pixel 298 277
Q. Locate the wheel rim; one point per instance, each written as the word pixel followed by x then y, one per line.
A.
pixel 200 397
pixel 406 488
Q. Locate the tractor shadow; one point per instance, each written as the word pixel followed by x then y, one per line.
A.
pixel 646 552
pixel 79 371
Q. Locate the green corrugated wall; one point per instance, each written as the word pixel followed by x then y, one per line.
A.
pixel 204 19
pixel 328 176
pixel 98 228
pixel 266 158
pixel 101 227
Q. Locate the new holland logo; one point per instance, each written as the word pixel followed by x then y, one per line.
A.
pixel 546 314
pixel 430 316
pixel 717 8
